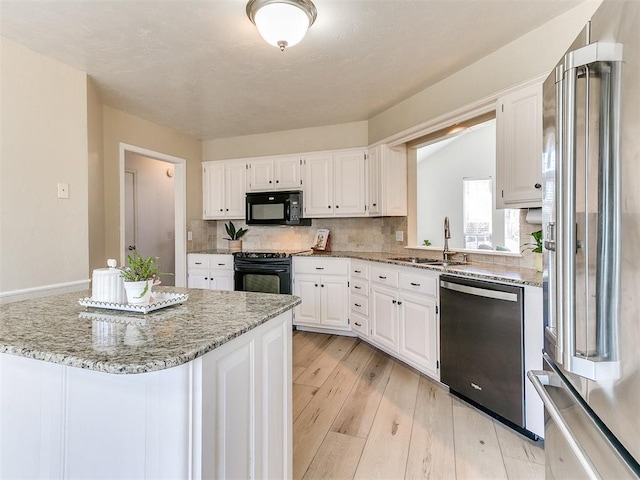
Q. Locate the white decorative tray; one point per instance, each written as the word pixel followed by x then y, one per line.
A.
pixel 158 300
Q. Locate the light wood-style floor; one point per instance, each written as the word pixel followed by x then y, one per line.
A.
pixel 358 413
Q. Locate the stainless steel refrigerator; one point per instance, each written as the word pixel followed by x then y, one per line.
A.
pixel 591 232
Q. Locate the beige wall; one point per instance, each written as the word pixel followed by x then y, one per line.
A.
pixel 346 135
pixel 43 141
pixel 96 178
pixel 119 127
pixel 532 55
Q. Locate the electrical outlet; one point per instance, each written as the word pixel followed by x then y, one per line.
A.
pixel 399 235
pixel 63 190
pixel 189 235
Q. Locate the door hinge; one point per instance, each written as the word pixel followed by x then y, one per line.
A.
pixel 437 310
pixel 502 107
pixel 300 181
pixel 438 364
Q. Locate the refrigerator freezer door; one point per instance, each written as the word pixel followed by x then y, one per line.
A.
pixel 582 446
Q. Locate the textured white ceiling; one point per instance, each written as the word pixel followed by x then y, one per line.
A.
pixel 201 67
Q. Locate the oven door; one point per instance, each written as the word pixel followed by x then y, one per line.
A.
pixel 269 277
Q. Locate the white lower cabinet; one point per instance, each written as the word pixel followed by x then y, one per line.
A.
pixel 210 271
pixel 404 316
pixel 323 286
pixel 226 414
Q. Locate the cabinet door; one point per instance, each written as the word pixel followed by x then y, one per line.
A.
pixel 261 175
pixel 393 180
pixel 287 173
pixel 419 333
pixel 318 185
pixel 235 189
pixel 373 181
pixel 384 318
pixel 221 280
pixel 349 181
pixel 198 278
pixel 334 302
pixel 519 149
pixel 213 180
pixel 307 287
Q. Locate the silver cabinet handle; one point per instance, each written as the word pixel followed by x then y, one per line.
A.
pixel 357 324
pixel 415 284
pixel 381 277
pixel 358 305
pixel 319 268
pixel 357 287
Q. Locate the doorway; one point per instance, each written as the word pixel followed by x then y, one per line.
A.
pixel 153 209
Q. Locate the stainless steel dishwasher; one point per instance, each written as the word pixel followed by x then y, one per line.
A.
pixel 481 345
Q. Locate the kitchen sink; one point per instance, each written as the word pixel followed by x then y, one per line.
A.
pixel 427 261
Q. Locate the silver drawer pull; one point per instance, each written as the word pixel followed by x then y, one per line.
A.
pixel 221 264
pixel 198 263
pixel 358 305
pixel 319 268
pixel 381 277
pixel 358 271
pixel 357 287
pixel 357 324
pixel 415 284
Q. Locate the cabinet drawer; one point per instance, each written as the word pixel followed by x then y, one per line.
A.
pixel 198 260
pixel 359 270
pixel 360 287
pixel 325 266
pixel 360 304
pixel 360 324
pixel 382 276
pixel 419 284
pixel 221 262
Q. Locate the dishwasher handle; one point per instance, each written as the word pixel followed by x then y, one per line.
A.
pixel 480 292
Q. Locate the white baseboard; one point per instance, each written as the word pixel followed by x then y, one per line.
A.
pixel 43 291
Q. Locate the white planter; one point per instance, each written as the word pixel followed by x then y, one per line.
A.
pixel 138 293
pixel 235 246
pixel 537 261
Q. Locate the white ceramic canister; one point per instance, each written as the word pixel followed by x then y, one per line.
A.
pixel 107 285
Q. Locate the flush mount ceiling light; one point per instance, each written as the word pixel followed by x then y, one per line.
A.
pixel 282 23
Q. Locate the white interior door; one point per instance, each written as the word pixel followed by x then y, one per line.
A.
pixel 130 209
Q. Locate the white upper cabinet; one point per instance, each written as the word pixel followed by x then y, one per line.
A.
pixel 387 181
pixel 274 173
pixel 223 189
pixel 334 184
pixel 519 149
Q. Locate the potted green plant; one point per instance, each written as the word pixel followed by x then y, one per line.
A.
pixel 235 244
pixel 139 275
pixel 536 248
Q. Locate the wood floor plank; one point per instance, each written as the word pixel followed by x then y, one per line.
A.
pixel 385 453
pixel 514 445
pixel 309 352
pixel 523 470
pixel 432 451
pixel 337 458
pixel 302 395
pixel 320 369
pixel 300 339
pixel 296 372
pixel 478 454
pixel 313 423
pixel 361 406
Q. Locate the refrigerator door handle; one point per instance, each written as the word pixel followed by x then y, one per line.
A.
pixel 541 378
pixel 604 363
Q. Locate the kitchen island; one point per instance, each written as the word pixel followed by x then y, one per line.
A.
pixel 198 390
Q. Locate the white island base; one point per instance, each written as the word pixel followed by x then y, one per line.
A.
pixel 226 414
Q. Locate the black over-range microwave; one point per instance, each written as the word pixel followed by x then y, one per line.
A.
pixel 275 208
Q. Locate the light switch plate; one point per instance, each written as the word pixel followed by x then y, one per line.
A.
pixel 399 235
pixel 63 190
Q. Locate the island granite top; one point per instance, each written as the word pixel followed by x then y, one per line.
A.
pixel 57 329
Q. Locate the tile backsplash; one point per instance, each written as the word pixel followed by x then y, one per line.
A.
pixel 347 234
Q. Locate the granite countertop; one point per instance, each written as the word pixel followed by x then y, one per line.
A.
pixel 482 271
pixel 57 329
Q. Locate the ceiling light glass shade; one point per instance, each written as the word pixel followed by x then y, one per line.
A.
pixel 282 23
